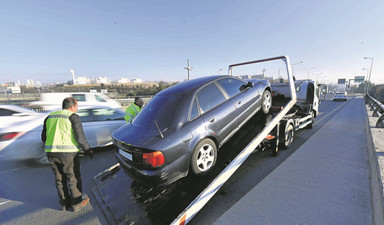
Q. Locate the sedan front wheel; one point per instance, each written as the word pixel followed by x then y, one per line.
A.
pixel 203 157
pixel 266 101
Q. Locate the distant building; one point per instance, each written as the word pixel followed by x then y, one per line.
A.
pixel 13 90
pixel 245 77
pixel 33 83
pixel 261 76
pixel 103 80
pixel 137 80
pixel 122 81
pixel 81 80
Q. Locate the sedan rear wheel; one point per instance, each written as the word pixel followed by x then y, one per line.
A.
pixel 203 157
pixel 266 101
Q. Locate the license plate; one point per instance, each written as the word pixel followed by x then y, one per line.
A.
pixel 125 154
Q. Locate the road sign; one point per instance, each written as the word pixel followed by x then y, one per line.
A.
pixel 341 81
pixel 359 79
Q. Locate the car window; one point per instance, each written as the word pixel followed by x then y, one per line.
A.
pixel 161 109
pixel 209 97
pixel 194 110
pixel 99 99
pixel 298 86
pixel 79 97
pixel 231 85
pixel 103 114
pixel 6 112
pixel 85 115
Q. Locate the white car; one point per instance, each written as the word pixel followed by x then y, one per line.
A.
pixel 340 96
pixel 10 114
pixel 51 101
pixel 22 141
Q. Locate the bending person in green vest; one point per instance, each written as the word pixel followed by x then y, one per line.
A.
pixel 134 109
pixel 63 136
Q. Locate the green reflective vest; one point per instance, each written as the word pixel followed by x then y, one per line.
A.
pixel 60 137
pixel 131 112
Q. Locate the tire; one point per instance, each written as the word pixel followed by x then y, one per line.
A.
pixel 266 101
pixel 309 126
pixel 287 136
pixel 203 157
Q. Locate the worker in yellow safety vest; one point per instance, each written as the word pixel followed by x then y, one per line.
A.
pixel 134 109
pixel 63 136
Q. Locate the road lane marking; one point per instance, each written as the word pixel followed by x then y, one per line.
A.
pixel 8 171
pixel 3 203
pixel 328 114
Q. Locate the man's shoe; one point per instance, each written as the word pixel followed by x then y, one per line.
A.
pixel 83 203
pixel 63 208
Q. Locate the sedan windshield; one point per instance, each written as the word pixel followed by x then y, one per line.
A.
pixel 160 109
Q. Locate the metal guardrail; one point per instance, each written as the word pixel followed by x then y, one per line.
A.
pixel 377 108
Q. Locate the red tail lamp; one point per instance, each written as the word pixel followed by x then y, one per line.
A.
pixel 153 159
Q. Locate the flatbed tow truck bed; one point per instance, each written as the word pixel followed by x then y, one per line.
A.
pixel 125 201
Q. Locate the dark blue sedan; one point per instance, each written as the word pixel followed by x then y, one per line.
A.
pixel 181 129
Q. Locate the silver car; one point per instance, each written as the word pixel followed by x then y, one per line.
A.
pixel 23 140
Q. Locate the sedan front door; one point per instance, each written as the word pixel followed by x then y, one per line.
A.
pixel 218 113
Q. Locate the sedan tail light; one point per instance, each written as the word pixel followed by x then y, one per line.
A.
pixel 8 136
pixel 153 159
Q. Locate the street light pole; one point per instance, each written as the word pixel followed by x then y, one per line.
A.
pixel 293 74
pixel 308 71
pixel 188 68
pixel 366 79
pixel 370 73
pixel 316 75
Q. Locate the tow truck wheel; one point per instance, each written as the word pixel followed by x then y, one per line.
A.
pixel 266 101
pixel 203 157
pixel 288 135
pixel 309 126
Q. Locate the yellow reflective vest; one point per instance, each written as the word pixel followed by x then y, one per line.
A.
pixel 60 137
pixel 131 112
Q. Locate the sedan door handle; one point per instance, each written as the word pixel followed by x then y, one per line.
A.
pixel 213 119
pixel 239 102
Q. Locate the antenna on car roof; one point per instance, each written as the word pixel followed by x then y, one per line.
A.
pixel 161 134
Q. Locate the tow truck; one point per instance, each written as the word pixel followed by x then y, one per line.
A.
pixel 124 201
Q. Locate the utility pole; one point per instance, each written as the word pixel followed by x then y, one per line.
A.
pixel 308 69
pixel 188 68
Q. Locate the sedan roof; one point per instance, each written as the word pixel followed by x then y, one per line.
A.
pixel 187 86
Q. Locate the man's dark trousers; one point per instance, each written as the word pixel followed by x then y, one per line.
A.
pixel 67 177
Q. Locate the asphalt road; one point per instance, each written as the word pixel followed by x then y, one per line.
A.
pixel 28 194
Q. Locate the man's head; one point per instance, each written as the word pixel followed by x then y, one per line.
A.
pixel 139 102
pixel 70 104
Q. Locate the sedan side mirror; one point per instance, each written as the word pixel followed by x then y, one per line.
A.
pixel 245 86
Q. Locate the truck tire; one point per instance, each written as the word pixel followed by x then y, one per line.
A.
pixel 287 136
pixel 266 101
pixel 203 157
pixel 309 126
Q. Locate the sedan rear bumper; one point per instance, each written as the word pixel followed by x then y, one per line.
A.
pixel 163 176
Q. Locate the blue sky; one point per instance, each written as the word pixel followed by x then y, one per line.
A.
pixel 152 40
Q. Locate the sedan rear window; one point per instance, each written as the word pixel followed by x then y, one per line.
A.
pixel 160 109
